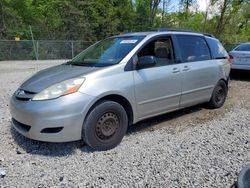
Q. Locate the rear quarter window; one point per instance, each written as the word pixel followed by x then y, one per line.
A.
pixel 217 50
pixel 193 48
pixel 243 47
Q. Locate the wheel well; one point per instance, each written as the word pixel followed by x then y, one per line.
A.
pixel 226 81
pixel 122 101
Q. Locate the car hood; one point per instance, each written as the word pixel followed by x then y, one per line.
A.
pixel 50 76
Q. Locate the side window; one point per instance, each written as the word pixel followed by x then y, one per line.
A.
pixel 218 51
pixel 161 49
pixel 193 48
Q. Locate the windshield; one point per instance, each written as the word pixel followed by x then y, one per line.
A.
pixel 243 47
pixel 107 52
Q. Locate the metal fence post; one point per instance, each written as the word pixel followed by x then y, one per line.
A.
pixel 37 49
pixel 72 49
pixel 32 37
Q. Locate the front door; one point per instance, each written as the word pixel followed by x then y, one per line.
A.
pixel 158 88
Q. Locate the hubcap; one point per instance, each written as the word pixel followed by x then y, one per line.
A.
pixel 219 95
pixel 107 125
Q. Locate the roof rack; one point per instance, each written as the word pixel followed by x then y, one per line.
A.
pixel 183 30
pixel 173 29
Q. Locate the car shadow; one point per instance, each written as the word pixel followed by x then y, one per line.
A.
pixel 28 146
pixel 33 147
pixel 150 123
pixel 240 75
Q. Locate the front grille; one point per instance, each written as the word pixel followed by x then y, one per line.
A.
pixel 22 99
pixel 24 95
pixel 21 126
pixel 52 130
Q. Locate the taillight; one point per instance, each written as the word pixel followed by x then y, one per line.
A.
pixel 230 59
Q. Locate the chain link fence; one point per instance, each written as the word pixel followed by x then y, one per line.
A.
pixel 230 47
pixel 40 49
pixel 48 49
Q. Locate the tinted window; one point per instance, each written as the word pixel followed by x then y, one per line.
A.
pixel 243 47
pixel 193 48
pixel 218 51
pixel 161 49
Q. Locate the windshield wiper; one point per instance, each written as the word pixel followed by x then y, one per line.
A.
pixel 220 58
pixel 80 63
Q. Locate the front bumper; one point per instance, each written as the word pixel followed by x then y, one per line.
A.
pixel 56 120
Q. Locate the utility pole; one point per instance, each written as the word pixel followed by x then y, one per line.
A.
pixel 163 12
pixel 206 15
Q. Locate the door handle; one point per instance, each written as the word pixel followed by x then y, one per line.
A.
pixel 186 68
pixel 175 70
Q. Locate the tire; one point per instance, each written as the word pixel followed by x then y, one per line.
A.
pixel 219 95
pixel 105 125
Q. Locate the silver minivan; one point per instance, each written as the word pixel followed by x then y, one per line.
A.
pixel 120 81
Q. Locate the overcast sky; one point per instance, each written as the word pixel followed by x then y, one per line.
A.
pixel 202 5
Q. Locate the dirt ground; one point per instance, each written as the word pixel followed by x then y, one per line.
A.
pixel 193 147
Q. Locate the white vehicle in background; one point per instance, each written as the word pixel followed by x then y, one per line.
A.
pixel 241 57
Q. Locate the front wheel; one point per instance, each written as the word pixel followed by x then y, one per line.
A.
pixel 219 95
pixel 105 125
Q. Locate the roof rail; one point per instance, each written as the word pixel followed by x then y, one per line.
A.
pixel 173 29
pixel 184 30
pixel 208 35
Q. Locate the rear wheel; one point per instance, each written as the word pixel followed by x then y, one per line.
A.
pixel 219 95
pixel 105 125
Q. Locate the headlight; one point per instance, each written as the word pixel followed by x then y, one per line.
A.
pixel 63 88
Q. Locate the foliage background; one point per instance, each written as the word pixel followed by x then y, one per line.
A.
pixel 91 20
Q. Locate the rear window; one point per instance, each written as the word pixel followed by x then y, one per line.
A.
pixel 193 48
pixel 217 50
pixel 243 47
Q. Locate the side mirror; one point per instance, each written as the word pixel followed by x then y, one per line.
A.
pixel 145 62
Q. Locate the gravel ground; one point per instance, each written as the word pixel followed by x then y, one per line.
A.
pixel 195 147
